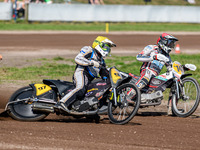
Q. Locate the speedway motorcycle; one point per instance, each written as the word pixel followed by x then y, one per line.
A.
pixel 36 101
pixel 184 94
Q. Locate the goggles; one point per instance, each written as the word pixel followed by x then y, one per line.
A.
pixel 171 43
pixel 105 47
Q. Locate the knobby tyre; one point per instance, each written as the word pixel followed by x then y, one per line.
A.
pixel 186 106
pixel 128 97
pixel 21 110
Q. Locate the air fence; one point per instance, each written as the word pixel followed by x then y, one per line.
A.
pixel 111 13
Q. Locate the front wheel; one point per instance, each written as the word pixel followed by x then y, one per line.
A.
pixel 128 103
pixel 189 101
pixel 22 110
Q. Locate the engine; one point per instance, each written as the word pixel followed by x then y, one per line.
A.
pixel 151 99
pixel 87 103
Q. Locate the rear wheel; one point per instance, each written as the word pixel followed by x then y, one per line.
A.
pixel 189 101
pixel 22 110
pixel 128 97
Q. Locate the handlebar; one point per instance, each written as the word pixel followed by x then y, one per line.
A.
pixel 169 63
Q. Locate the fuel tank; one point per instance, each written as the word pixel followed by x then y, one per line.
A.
pixel 97 88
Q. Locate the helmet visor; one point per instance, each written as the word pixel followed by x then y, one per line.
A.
pixel 106 48
pixel 171 43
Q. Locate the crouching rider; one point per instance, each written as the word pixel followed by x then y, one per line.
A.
pixel 88 65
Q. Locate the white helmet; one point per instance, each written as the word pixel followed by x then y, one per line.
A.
pixel 103 45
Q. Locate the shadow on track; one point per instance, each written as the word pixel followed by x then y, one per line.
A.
pixel 85 120
pixel 4 114
pixel 146 114
pixel 69 119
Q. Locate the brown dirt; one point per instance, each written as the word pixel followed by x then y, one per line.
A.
pixel 150 129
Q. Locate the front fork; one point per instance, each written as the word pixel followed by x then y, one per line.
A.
pixel 177 89
pixel 174 91
pixel 115 96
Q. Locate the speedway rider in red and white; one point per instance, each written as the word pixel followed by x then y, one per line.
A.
pixel 154 57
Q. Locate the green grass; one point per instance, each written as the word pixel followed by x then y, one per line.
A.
pixel 97 26
pixel 60 68
pixel 56 68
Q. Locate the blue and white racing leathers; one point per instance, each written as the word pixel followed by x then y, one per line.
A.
pixel 84 73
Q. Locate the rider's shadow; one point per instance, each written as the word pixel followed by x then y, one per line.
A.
pixel 69 119
pixel 148 113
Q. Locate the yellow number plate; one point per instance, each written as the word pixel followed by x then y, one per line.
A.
pixel 115 75
pixel 177 68
pixel 41 89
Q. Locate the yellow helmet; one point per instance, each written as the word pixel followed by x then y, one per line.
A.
pixel 103 45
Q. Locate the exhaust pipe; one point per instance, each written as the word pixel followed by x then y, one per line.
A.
pixel 42 108
pixel 85 113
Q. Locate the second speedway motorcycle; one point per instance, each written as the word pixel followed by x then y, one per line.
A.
pixel 184 94
pixel 110 97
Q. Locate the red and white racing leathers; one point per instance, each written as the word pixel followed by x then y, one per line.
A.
pixel 150 67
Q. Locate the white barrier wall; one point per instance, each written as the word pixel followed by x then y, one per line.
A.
pixel 113 13
pixel 5 11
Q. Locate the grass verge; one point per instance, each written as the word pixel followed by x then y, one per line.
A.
pixel 98 26
pixel 61 68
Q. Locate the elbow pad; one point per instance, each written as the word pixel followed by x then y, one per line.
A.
pixel 144 58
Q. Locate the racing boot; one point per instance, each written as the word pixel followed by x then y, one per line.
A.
pixel 169 111
pixel 141 84
pixel 169 106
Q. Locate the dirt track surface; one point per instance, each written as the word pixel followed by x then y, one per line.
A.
pixel 150 129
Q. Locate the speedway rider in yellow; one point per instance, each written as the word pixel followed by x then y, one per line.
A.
pixel 88 62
